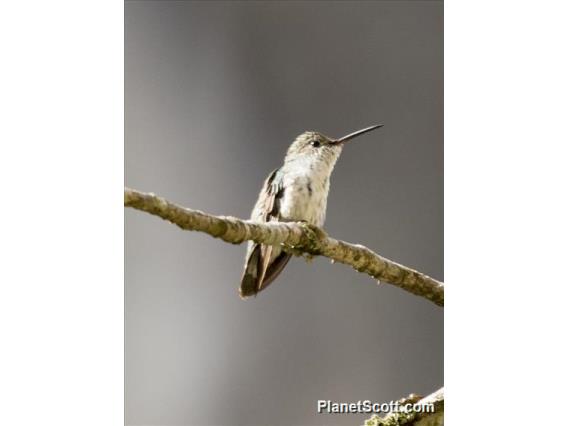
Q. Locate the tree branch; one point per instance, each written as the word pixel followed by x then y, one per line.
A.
pixel 414 418
pixel 296 238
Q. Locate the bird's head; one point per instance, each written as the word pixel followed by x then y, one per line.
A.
pixel 316 146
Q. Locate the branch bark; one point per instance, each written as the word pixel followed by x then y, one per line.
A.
pixel 414 418
pixel 296 238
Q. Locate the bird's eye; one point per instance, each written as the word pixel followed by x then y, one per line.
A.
pixel 316 144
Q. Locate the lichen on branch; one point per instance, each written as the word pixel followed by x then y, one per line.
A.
pixel 297 238
pixel 414 418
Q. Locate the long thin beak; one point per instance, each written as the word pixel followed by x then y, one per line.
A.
pixel 357 133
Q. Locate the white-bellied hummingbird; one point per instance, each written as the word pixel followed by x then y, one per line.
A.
pixel 295 192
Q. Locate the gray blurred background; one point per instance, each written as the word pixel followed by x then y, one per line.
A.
pixel 214 94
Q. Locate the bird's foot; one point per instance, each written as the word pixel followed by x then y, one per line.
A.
pixel 310 229
pixel 309 258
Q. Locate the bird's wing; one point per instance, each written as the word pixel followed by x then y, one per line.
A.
pixel 259 269
pixel 274 269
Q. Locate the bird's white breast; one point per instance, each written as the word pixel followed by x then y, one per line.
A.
pixel 306 186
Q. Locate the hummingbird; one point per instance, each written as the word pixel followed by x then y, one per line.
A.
pixel 295 192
